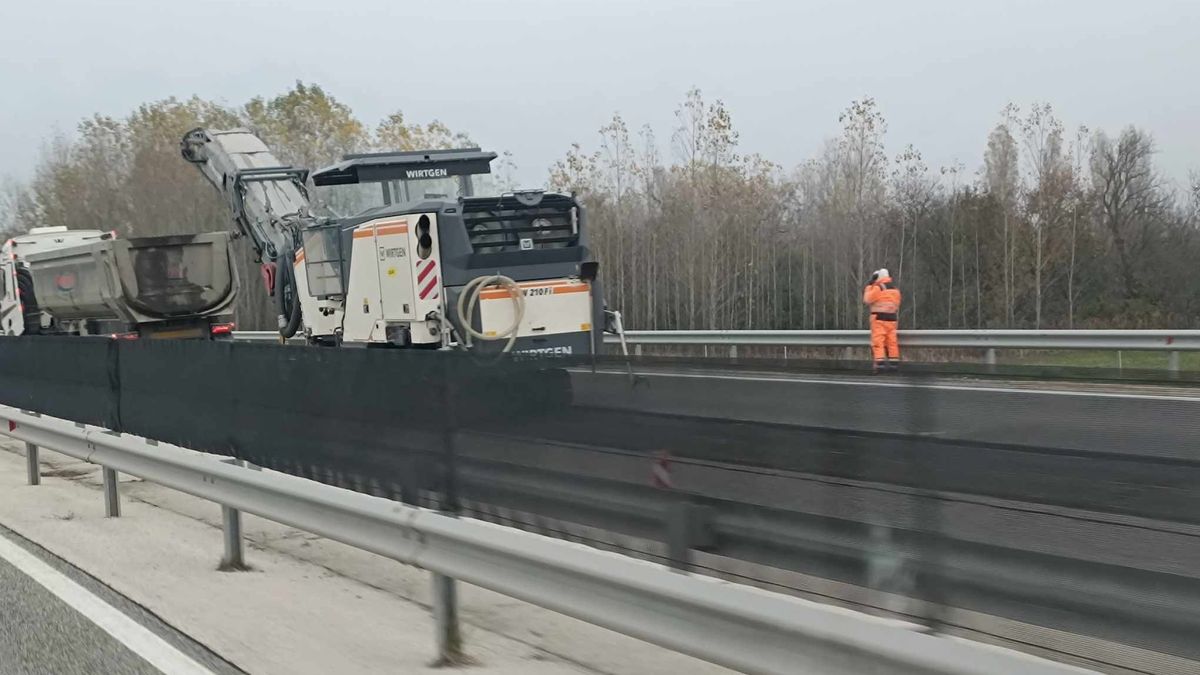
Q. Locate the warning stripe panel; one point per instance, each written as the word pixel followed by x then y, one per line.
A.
pixel 423 272
pixel 429 288
pixel 364 233
pixel 299 257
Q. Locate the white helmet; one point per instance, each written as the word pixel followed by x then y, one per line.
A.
pixel 881 273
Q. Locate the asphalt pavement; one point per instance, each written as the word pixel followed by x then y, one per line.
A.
pixel 1160 422
pixel 42 633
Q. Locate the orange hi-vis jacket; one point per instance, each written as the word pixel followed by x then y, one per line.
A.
pixel 883 297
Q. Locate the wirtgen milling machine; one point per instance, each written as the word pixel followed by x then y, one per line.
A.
pixel 410 249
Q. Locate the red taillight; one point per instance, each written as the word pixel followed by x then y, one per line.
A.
pixel 124 336
pixel 223 329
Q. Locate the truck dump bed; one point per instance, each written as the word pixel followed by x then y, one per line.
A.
pixel 136 281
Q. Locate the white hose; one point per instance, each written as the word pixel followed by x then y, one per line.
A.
pixel 469 298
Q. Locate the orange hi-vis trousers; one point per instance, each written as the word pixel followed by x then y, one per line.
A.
pixel 884 344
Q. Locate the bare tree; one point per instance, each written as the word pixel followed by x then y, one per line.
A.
pixel 1130 196
pixel 18 211
pixel 1052 182
pixel 1079 152
pixel 915 191
pixel 1002 178
pixel 953 171
pixel 863 190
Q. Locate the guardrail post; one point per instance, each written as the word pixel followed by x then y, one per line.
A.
pixel 31 464
pixel 445 617
pixel 733 352
pixel 1173 362
pixel 445 592
pixel 231 525
pixel 112 501
pixel 679 549
pixel 887 570
pixel 989 357
pixel 637 350
pixel 688 527
pixel 921 409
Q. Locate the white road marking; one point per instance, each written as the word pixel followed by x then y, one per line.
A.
pixel 910 385
pixel 139 639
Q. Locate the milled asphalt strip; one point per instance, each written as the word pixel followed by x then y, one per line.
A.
pixel 137 638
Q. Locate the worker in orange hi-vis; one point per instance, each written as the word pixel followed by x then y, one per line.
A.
pixel 882 296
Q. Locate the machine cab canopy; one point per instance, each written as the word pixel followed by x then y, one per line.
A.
pixel 362 182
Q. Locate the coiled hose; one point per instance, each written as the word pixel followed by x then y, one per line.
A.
pixel 469 298
pixel 287 293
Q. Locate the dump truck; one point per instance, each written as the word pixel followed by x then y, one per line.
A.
pixel 57 281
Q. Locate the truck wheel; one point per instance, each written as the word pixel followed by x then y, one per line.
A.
pixel 33 315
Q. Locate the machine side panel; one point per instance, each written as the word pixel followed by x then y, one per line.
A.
pixel 393 260
pixel 364 310
pixel 552 307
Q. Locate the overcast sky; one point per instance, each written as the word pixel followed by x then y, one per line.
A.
pixel 533 76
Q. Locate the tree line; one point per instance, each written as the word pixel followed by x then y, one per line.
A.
pixel 1053 227
pixel 126 174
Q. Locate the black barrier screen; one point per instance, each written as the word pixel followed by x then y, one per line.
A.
pixel 69 377
pixel 1028 507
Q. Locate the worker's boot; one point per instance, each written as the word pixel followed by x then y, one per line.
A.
pixel 893 365
pixel 878 367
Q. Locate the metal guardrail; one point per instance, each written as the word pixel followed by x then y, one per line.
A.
pixel 734 626
pixel 1133 340
pixel 1009 578
pixel 1171 341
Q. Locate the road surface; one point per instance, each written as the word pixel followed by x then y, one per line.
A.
pixel 1147 421
pixel 58 620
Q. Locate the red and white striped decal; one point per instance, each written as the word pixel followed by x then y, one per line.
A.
pixel 427 280
pixel 660 471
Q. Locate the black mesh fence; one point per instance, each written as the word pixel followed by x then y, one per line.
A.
pixel 1062 514
pixel 72 378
